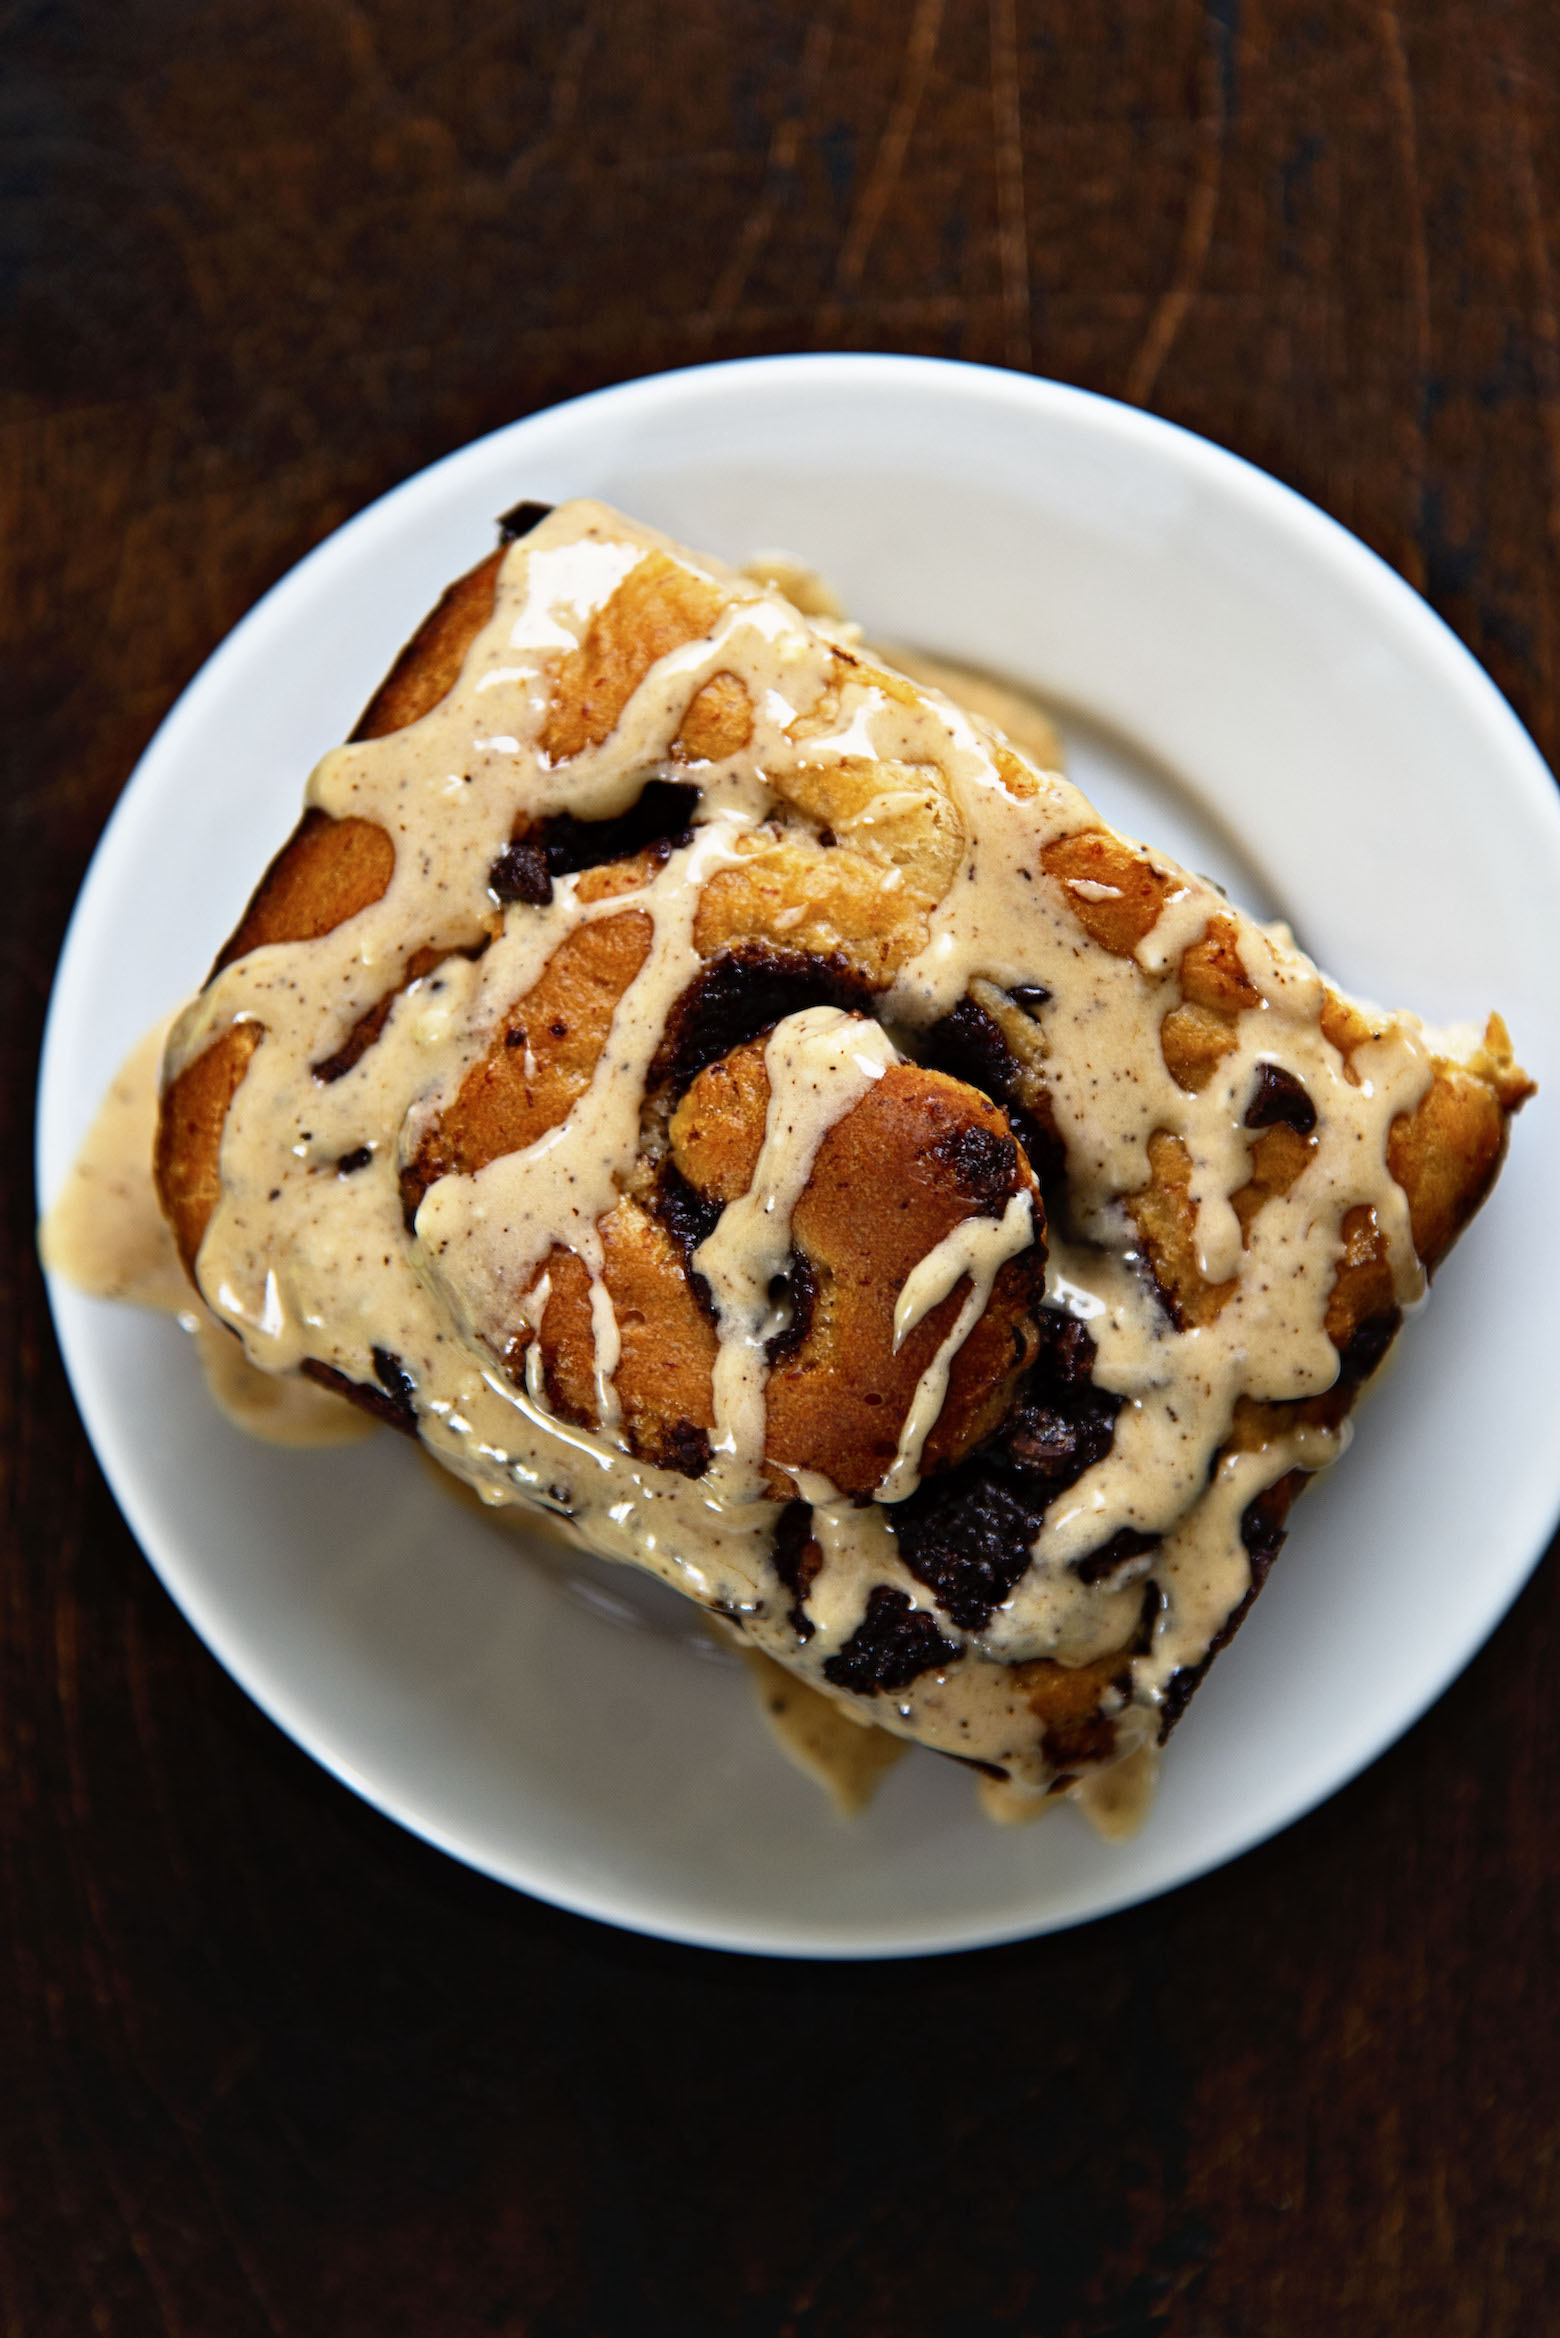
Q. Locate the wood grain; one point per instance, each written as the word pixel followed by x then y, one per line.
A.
pixel 266 2064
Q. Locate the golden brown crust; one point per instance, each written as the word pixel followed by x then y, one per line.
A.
pixel 325 873
pixel 1166 1219
pixel 719 722
pixel 542 1059
pixel 890 1180
pixel 845 911
pixel 659 606
pixel 1445 1156
pixel 187 1161
pixel 717 1130
pixel 859 855
pixel 1278 1156
pixel 429 666
pixel 1216 990
pixel 1065 1700
pixel 664 1380
pixel 1115 893
pixel 329 870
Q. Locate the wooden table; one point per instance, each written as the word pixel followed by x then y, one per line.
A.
pixel 266 2064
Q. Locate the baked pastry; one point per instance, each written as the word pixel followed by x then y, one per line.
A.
pixel 711 1088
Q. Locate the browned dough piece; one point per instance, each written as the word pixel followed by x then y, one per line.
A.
pixel 664 1379
pixel 542 1059
pixel 658 607
pixel 325 873
pixel 889 1179
pixel 719 722
pixel 429 666
pixel 187 1158
pixel 1115 893
pixel 902 1168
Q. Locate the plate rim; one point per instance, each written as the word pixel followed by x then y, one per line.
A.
pixel 1455 666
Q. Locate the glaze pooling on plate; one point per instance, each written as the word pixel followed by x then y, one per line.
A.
pixel 565 1160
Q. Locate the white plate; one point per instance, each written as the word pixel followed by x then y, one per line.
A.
pixel 1342 757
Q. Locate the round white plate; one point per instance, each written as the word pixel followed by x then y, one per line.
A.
pixel 1258 693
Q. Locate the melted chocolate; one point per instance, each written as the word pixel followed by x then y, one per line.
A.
pixel 688 1215
pixel 1124 1545
pixel 984 1166
pixel 520 873
pixel 967 1534
pixel 1368 1343
pixel 684 1447
pixel 892 1645
pixel 741 993
pixel 968 1046
pixel 797 1557
pixel 521 518
pixel 561 846
pixel 802 1284
pixel 396 1381
pixel 1279 1096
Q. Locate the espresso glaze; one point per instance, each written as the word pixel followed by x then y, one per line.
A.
pixel 307 1263
pixel 106 1236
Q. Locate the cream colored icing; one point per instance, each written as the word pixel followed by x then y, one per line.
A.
pixel 104 1232
pixel 304 1262
pixel 974 1253
pixel 841 1751
pixel 819 1064
pixel 106 1236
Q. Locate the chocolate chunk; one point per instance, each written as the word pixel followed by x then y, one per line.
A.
pixel 396 1381
pixel 1368 1343
pixel 741 993
pixel 1279 1096
pixel 967 1538
pixel 689 1216
pixel 662 815
pixel 520 519
pixel 969 1046
pixel 984 1166
pixel 1264 1523
pixel 797 1556
pixel 967 1533
pixel 1031 996
pixel 1055 1445
pixel 562 846
pixel 367 1398
pixel 1178 1695
pixel 520 873
pixel 684 1447
pixel 802 1284
pixel 1066 1359
pixel 892 1645
pixel 1124 1545
pixel 358 1158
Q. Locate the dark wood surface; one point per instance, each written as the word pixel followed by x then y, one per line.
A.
pixel 266 2064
